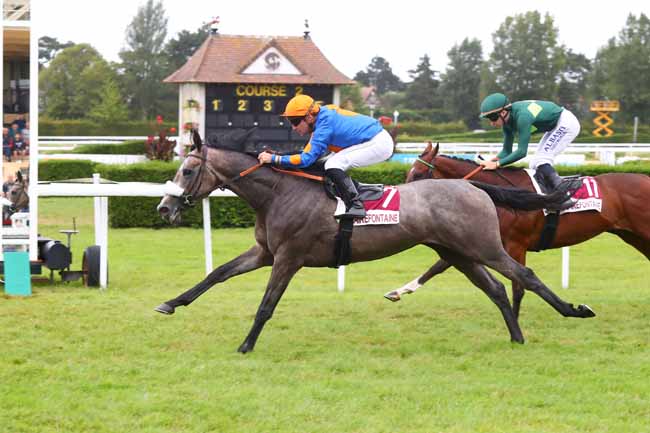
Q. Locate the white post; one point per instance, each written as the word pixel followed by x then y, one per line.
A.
pixel 103 246
pixel 395 116
pixel 341 278
pixel 101 234
pixel 98 211
pixel 33 135
pixel 207 235
pixel 565 267
pixel 636 128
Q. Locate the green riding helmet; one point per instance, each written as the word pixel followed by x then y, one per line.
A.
pixel 494 103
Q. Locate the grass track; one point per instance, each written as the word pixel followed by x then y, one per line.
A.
pixel 78 360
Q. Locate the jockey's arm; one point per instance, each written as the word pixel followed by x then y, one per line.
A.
pixel 523 132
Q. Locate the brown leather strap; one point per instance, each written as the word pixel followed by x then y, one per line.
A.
pixel 299 174
pixel 473 172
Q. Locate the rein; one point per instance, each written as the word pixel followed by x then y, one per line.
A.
pixel 468 175
pixel 188 194
pixel 299 174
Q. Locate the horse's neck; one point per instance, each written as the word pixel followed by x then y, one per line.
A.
pixel 456 169
pixel 263 187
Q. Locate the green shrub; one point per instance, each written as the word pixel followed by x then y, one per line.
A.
pixel 129 147
pixel 85 127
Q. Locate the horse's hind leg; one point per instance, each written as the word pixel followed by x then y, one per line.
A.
pixel 496 291
pixel 527 278
pixel 438 268
pixel 519 254
pixel 252 259
pixel 638 242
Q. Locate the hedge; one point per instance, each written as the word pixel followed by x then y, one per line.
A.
pixel 129 147
pixel 84 127
pixel 231 211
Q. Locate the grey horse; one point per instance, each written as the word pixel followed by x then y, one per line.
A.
pixel 295 228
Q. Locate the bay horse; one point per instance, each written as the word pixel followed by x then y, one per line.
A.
pixel 295 228
pixel 625 210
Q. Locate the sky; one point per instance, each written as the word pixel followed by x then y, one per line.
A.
pixel 349 33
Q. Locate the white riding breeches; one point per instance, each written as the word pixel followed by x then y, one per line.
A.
pixel 556 140
pixel 379 148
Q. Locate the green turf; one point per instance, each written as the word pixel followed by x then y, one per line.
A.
pixel 79 360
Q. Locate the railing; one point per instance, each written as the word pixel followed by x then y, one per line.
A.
pixel 606 151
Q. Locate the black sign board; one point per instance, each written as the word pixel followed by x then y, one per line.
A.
pixel 230 106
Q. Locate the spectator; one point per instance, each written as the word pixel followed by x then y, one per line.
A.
pixel 7 144
pixel 14 130
pixel 20 148
pixel 25 133
pixel 20 121
pixel 7 184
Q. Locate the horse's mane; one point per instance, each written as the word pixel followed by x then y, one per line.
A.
pixel 474 163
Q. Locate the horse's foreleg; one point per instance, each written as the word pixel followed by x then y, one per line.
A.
pixel 252 259
pixel 439 267
pixel 283 271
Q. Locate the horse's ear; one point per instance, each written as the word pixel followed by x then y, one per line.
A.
pixel 19 176
pixel 196 140
pixel 428 148
pixel 436 149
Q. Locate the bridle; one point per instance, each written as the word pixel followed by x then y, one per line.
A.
pixel 188 197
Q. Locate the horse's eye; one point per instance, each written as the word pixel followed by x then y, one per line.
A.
pixel 187 172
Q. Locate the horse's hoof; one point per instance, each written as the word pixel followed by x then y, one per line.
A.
pixel 585 311
pixel 244 348
pixel 514 340
pixel 393 296
pixel 165 309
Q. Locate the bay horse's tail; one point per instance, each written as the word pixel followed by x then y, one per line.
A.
pixel 522 199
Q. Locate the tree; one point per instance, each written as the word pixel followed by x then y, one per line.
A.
pixel 71 84
pixel 143 64
pixel 621 69
pixel 422 92
pixel 526 59
pixel 572 84
pixel 179 49
pixel 111 107
pixel 352 99
pixel 461 81
pixel 48 48
pixel 380 75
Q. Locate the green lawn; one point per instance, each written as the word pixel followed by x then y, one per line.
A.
pixel 80 360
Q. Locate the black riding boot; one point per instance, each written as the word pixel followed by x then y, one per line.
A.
pixel 550 175
pixel 348 192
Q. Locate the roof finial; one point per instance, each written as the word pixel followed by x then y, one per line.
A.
pixel 306 36
pixel 214 24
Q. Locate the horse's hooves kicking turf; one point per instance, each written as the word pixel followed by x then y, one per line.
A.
pixel 392 296
pixel 165 309
pixel 585 311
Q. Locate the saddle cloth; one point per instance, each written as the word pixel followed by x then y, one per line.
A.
pixel 384 210
pixel 588 195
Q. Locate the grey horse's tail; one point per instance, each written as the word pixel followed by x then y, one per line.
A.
pixel 522 199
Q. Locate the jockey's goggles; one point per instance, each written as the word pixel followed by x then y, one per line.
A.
pixel 295 120
pixel 493 117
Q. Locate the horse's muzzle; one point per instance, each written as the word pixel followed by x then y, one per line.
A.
pixel 169 209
